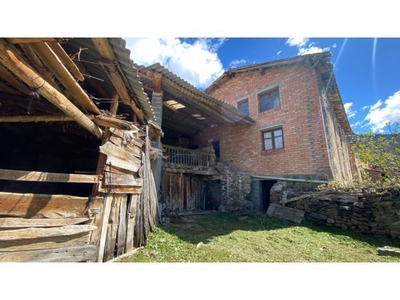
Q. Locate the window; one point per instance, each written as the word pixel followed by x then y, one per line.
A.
pixel 269 100
pixel 273 139
pixel 243 106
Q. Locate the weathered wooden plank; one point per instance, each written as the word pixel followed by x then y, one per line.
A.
pixel 36 222
pixel 122 190
pixel 104 222
pixel 69 254
pixel 114 122
pixel 132 166
pixel 35 233
pixel 131 219
pixel 111 150
pixel 42 205
pixel 112 179
pixel 10 58
pixel 121 238
pixel 45 243
pixel 112 229
pixel 7 174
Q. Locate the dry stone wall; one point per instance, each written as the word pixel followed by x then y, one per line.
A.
pixel 363 212
pixel 235 188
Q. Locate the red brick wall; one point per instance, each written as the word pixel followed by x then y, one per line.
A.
pixel 305 150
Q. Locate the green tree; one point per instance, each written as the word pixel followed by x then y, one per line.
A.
pixel 380 152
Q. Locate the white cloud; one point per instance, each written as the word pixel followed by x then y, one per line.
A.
pixel 237 63
pixel 303 48
pixel 381 113
pixel 349 111
pixel 197 61
pixel 298 42
pixel 311 50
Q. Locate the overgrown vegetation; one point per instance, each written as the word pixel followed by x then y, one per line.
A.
pixel 231 237
pixel 378 157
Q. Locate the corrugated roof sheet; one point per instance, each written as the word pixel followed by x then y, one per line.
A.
pixel 226 109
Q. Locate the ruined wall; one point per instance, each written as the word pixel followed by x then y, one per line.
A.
pixel 234 187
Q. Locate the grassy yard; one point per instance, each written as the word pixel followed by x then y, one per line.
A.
pixel 231 237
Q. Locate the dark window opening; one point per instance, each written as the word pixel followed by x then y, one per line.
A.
pixel 215 145
pixel 269 100
pixel 243 106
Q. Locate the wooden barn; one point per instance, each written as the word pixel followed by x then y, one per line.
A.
pixel 76 129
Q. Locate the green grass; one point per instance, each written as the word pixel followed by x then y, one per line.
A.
pixel 226 238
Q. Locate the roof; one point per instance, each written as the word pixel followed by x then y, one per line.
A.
pixel 200 110
pixel 321 61
pixel 83 74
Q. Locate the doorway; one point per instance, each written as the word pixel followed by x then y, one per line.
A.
pixel 266 186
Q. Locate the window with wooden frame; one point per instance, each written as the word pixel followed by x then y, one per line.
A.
pixel 273 139
pixel 243 106
pixel 269 100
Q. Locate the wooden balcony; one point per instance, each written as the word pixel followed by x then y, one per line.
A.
pixel 193 161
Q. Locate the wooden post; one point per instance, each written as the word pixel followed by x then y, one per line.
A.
pixel 103 234
pixel 14 62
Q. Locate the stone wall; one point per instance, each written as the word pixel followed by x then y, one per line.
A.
pixel 363 212
pixel 235 188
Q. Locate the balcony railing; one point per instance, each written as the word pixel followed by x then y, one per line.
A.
pixel 186 157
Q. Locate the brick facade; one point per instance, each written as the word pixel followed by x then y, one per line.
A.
pixel 314 142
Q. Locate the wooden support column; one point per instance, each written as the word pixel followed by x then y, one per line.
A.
pixel 10 58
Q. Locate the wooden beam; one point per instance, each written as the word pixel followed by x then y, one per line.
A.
pixel 18 85
pixel 68 254
pixel 54 64
pixel 34 233
pixel 203 105
pixel 10 58
pixel 35 40
pixel 113 71
pixel 36 222
pixel 37 64
pixel 42 205
pixel 17 175
pixel 66 60
pixel 99 120
pixel 45 243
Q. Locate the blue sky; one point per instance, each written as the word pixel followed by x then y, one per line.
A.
pixel 367 70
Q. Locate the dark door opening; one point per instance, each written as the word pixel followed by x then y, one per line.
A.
pixel 215 145
pixel 213 195
pixel 266 186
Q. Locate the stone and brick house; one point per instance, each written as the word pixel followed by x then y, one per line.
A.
pixel 270 121
pixel 301 124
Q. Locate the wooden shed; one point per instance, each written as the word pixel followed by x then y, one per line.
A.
pixel 76 126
